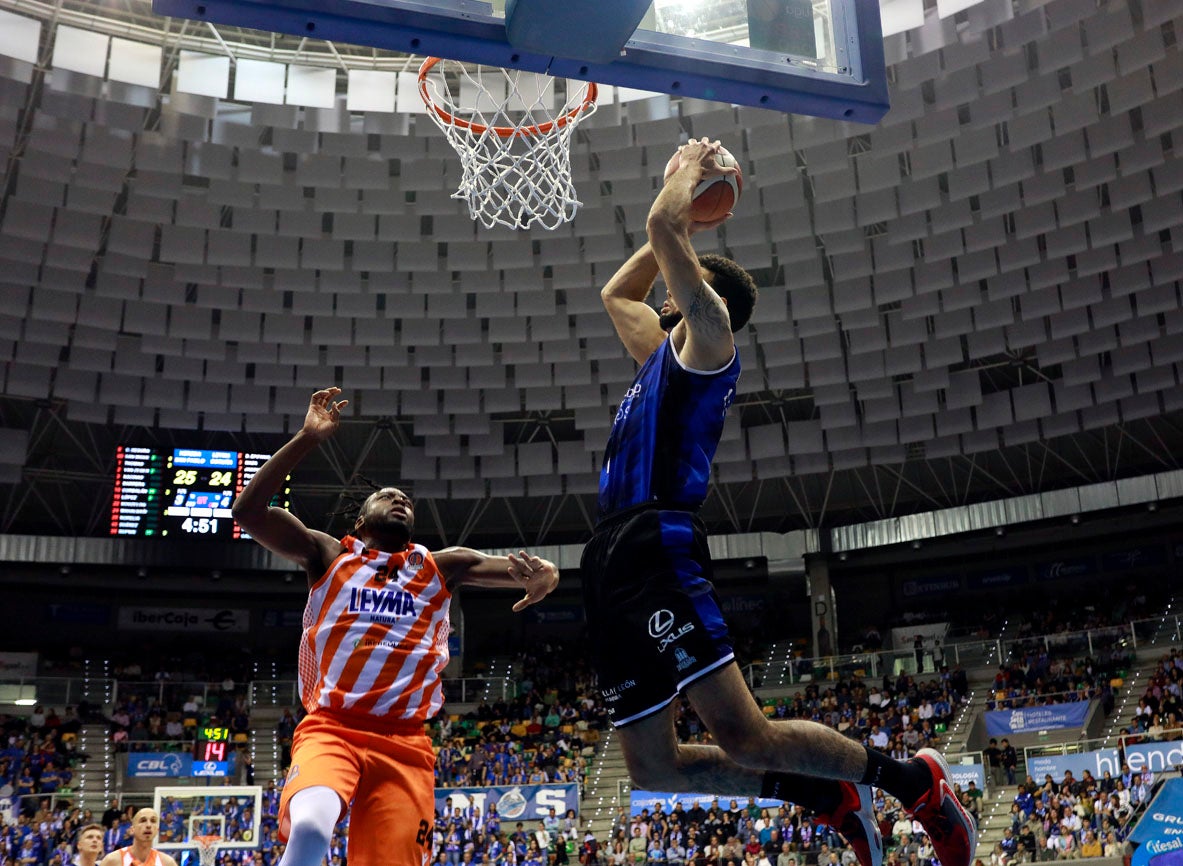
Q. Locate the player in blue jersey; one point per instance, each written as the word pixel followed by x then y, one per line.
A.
pixel 653 616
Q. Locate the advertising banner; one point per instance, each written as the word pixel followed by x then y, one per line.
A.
pixel 183 619
pixel 555 613
pixel 169 765
pixel 1098 763
pixel 18 666
pixel 922 586
pixel 1159 833
pixel 904 637
pixel 1134 557
pixel 1156 757
pixel 996 577
pixel 173 765
pixel 638 800
pixel 1061 568
pixel 1025 720
pixel 525 803
pixel 963 774
pixel 78 613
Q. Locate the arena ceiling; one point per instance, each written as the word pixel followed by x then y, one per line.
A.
pixel 976 299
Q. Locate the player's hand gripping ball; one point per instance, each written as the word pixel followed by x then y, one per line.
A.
pixel 715 196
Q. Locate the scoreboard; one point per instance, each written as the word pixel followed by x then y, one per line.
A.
pixel 212 744
pixel 182 491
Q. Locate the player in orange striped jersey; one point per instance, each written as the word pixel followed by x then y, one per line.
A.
pixel 374 646
pixel 144 827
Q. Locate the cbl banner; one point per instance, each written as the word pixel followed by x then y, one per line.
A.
pixel 172 765
pixel 525 803
pixel 1160 832
pixel 1025 720
pixel 638 800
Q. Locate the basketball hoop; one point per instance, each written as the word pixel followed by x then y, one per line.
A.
pixel 207 849
pixel 514 146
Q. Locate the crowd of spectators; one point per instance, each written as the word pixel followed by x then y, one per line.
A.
pixel 141 722
pixel 1160 709
pixel 546 732
pixel 38 756
pixel 1071 818
pixel 1039 678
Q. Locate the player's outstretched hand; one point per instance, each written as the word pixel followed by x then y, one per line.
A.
pixel 702 152
pixel 537 576
pixel 324 414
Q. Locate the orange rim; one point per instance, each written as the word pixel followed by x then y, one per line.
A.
pixel 589 99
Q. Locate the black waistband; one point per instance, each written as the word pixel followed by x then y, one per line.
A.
pixel 632 511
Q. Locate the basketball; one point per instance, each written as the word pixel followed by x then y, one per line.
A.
pixel 715 197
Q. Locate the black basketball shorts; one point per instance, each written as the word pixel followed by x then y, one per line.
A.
pixel 653 617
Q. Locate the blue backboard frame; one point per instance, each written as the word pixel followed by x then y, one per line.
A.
pixel 468 30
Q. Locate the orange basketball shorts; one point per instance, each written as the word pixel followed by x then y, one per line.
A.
pixel 388 778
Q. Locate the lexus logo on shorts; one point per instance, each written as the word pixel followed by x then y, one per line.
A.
pixel 661 622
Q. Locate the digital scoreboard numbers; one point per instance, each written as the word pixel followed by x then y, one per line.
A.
pixel 199 490
pixel 185 492
pixel 135 507
pixel 212 744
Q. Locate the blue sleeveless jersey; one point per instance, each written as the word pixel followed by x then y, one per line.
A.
pixel 665 435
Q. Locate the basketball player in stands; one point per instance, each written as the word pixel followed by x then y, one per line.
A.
pixel 144 827
pixel 653 616
pixel 88 847
pixel 375 644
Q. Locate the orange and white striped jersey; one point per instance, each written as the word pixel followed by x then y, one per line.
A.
pixel 129 860
pixel 375 639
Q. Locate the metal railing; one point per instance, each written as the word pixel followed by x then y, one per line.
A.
pixel 177 692
pixel 787 670
pixel 57 691
pixel 464 690
pixel 1096 744
pixel 1037 700
pixel 105 692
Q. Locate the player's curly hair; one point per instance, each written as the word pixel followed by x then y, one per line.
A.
pixel 735 284
pixel 356 499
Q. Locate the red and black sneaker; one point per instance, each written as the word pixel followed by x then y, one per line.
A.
pixel 854 818
pixel 953 832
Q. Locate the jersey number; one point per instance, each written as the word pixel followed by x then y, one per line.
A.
pixel 421 836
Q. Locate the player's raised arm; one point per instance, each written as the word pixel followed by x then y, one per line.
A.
pixel 709 342
pixel 624 296
pixel 276 529
pixel 462 566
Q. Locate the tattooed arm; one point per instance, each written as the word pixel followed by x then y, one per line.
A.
pixel 709 344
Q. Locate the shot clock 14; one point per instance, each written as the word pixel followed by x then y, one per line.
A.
pixel 212 744
pixel 181 491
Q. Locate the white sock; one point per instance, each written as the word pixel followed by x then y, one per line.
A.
pixel 313 812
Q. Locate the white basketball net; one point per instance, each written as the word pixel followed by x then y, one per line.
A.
pixel 207 849
pixel 513 143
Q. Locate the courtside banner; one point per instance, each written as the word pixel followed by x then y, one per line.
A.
pixel 1155 757
pixel 173 765
pixel 1098 763
pixel 164 765
pixel 638 800
pixel 963 774
pixel 525 803
pixel 1025 720
pixel 1160 832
